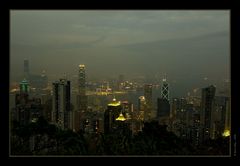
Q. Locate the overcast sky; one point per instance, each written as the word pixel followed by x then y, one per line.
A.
pixel 187 45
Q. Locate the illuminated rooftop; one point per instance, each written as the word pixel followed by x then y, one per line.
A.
pixel 142 98
pixel 81 65
pixel 114 103
pixel 24 81
pixel 226 133
pixel 121 117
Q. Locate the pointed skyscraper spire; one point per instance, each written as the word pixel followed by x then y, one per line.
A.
pixel 165 88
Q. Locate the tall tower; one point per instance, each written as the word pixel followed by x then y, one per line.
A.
pixel 163 108
pixel 61 104
pixel 165 89
pixel 148 98
pixel 82 98
pixel 24 86
pixel 207 107
pixel 111 114
pixel 21 113
pixel 227 124
pixel 26 69
pixel 141 103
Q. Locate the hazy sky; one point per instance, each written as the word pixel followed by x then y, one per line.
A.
pixel 188 45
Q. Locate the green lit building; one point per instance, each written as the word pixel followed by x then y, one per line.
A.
pixel 24 86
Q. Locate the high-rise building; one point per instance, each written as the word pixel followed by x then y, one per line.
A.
pixel 82 98
pixel 21 114
pixel 195 129
pixel 163 111
pixel 165 89
pixel 174 108
pixel 111 114
pixel 227 123
pixel 141 107
pixel 222 116
pixel 38 82
pixel 26 110
pixel 61 104
pixel 207 107
pixel 127 109
pixel 149 102
pixel 24 86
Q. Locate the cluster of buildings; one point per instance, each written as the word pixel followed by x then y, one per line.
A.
pixel 194 118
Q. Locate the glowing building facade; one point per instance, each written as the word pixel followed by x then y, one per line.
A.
pixel 82 98
pixel 24 86
pixel 165 89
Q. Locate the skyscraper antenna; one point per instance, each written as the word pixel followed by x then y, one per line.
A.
pixel 165 77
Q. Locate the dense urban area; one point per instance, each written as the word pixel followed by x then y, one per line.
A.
pixel 115 117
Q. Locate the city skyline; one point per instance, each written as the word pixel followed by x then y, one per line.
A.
pixel 100 82
pixel 132 43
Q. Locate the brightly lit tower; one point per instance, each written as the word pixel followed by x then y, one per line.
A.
pixel 82 98
pixel 24 86
pixel 165 89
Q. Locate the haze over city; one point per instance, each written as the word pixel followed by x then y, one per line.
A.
pixel 186 45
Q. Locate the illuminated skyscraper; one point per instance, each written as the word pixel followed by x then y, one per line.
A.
pixel 24 86
pixel 82 98
pixel 112 112
pixel 148 98
pixel 61 104
pixel 21 113
pixel 165 89
pixel 207 108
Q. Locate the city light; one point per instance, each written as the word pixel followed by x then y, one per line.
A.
pixel 114 97
pixel 81 65
pixel 118 103
pixel 226 133
pixel 121 117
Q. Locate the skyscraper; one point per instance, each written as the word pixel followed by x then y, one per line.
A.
pixel 207 108
pixel 111 114
pixel 21 114
pixel 141 107
pixel 174 108
pixel 165 89
pixel 148 98
pixel 82 98
pixel 227 124
pixel 163 111
pixel 61 104
pixel 24 86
